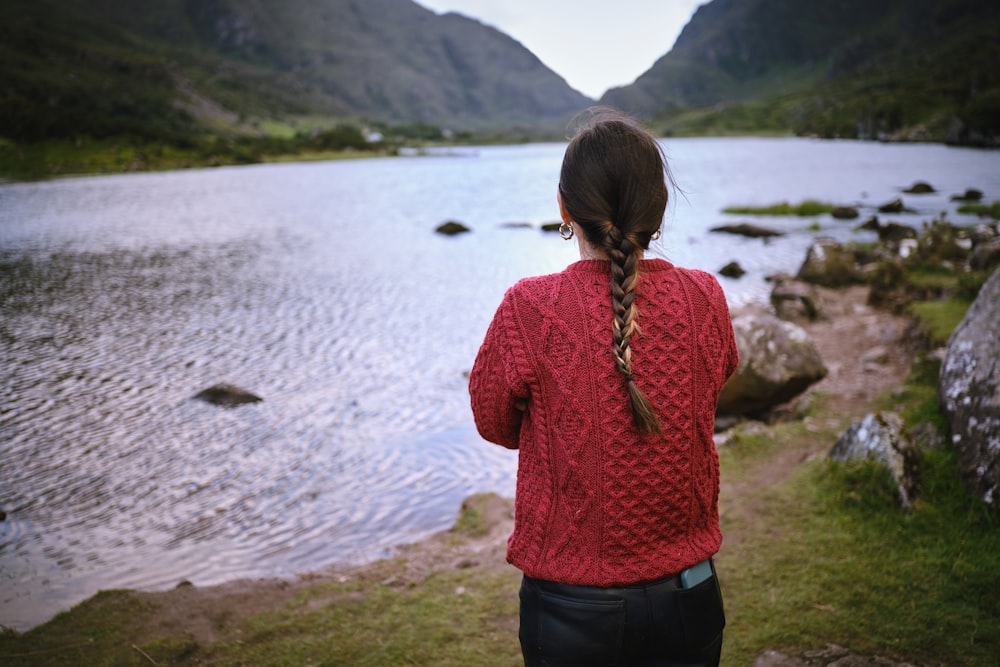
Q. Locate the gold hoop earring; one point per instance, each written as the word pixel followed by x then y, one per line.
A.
pixel 566 230
pixel 655 235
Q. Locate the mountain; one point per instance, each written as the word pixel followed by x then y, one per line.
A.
pixel 164 69
pixel 920 69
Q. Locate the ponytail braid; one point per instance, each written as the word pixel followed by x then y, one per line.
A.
pixel 613 183
pixel 624 257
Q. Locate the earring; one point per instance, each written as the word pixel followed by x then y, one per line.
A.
pixel 566 230
pixel 655 235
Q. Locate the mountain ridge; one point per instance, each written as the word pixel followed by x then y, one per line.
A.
pixel 232 79
pixel 921 69
pixel 390 61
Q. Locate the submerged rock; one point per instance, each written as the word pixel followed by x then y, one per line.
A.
pixel 969 392
pixel 970 194
pixel 894 206
pixel 844 212
pixel 732 270
pixel 778 361
pixel 227 395
pixel 747 229
pixel 920 188
pixel 451 228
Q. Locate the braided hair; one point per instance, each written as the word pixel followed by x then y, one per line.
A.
pixel 613 184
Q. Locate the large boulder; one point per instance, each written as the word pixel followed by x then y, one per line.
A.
pixel 778 361
pixel 882 438
pixel 969 392
pixel 829 264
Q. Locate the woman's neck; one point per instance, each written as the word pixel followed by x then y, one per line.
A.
pixel 590 251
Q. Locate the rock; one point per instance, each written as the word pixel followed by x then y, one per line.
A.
pixel 920 188
pixel 969 392
pixel 829 264
pixel 970 194
pixel 894 206
pixel 516 225
pixel 874 358
pixel 778 361
pixel 732 270
pixel 984 232
pixel 869 225
pixel 794 299
pixel 451 228
pixel 894 231
pixel 551 226
pixel 831 656
pixel 985 255
pixel 881 437
pixel 845 213
pixel 747 229
pixel 227 395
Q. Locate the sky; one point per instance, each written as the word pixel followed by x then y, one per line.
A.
pixel 593 44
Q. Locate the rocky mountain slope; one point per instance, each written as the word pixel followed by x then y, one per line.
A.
pixel 896 69
pixel 167 68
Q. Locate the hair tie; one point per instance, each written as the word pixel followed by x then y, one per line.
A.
pixel 628 378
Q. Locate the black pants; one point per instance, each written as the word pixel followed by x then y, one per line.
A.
pixel 657 624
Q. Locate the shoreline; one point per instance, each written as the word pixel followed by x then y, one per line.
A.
pixel 848 325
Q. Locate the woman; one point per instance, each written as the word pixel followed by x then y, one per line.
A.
pixel 605 376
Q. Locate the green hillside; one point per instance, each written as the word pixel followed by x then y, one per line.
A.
pixel 104 85
pixel 870 69
pixel 180 73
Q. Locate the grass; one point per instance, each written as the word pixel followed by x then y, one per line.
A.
pixel 937 319
pixel 809 207
pixel 985 210
pixel 841 563
pixel 450 619
pixel 832 558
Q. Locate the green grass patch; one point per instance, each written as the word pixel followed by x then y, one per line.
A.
pixel 835 560
pixel 450 619
pixel 985 210
pixel 809 207
pixel 938 319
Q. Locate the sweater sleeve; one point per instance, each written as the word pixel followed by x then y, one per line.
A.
pixel 498 392
pixel 731 354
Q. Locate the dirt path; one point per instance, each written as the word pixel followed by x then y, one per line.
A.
pixel 862 347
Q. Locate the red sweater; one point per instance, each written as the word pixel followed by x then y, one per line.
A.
pixel 597 502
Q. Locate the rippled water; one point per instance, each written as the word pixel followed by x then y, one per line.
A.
pixel 322 288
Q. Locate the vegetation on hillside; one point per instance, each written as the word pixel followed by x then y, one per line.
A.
pixel 866 69
pixel 104 85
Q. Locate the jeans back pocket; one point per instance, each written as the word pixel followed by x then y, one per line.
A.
pixel 574 631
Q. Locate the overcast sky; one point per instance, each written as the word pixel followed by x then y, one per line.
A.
pixel 593 45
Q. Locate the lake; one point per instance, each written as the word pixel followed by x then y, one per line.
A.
pixel 323 288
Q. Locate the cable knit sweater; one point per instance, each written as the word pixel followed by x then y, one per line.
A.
pixel 598 503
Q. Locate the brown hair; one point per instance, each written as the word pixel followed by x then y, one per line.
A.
pixel 613 184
